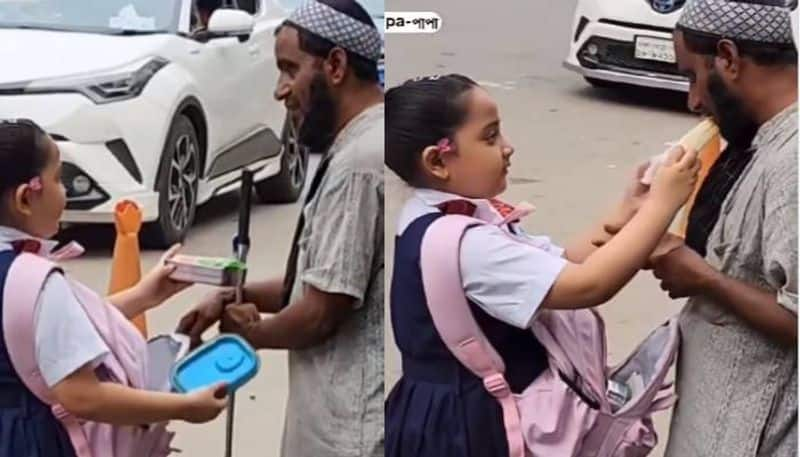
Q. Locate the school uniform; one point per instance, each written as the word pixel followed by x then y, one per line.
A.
pixel 438 408
pixel 65 341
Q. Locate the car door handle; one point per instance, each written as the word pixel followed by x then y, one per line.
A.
pixel 254 50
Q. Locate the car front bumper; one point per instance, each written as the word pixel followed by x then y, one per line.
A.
pixel 98 143
pixel 615 60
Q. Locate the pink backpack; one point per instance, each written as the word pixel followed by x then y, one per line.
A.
pixel 124 365
pixel 552 417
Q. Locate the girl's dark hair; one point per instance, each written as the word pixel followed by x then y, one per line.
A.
pixel 23 152
pixel 365 69
pixel 771 55
pixel 419 114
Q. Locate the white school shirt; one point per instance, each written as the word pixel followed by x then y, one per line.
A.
pixel 508 280
pixel 65 338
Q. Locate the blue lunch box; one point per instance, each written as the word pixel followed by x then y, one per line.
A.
pixel 226 358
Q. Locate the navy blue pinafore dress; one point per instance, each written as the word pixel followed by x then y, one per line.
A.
pixel 438 408
pixel 27 426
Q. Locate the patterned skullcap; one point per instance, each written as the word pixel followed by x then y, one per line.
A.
pixel 759 21
pixel 338 28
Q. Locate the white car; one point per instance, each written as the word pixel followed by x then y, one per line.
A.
pixel 145 106
pixel 626 41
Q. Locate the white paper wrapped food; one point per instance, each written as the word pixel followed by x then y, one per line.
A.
pixel 696 139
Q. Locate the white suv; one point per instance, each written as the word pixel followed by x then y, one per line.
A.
pixel 147 105
pixel 626 41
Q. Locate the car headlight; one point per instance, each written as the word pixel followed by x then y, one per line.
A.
pixel 113 86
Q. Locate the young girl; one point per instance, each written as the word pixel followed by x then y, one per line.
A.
pixel 443 138
pixel 68 347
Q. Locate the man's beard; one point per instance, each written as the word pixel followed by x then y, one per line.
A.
pixel 318 124
pixel 736 125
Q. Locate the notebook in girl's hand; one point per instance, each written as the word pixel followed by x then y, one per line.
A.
pixel 163 353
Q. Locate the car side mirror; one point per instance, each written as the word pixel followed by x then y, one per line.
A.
pixel 230 23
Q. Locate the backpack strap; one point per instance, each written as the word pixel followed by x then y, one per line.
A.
pixel 455 323
pixel 28 274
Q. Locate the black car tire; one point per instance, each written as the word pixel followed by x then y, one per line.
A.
pixel 286 186
pixel 176 183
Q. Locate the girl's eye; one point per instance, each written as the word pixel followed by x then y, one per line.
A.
pixel 493 135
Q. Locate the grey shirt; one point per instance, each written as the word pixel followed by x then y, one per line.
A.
pixel 737 388
pixel 335 405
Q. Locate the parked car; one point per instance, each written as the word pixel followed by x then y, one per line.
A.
pixel 626 41
pixel 146 104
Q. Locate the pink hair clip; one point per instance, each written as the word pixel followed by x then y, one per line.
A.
pixel 445 145
pixel 35 184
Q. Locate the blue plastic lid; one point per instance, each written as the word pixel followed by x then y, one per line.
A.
pixel 226 358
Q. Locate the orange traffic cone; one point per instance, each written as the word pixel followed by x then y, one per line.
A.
pixel 126 267
pixel 708 156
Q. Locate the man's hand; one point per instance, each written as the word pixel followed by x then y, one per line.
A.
pixel 636 192
pixel 683 273
pixel 667 244
pixel 205 314
pixel 239 319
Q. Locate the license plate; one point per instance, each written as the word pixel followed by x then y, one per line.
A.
pixel 657 49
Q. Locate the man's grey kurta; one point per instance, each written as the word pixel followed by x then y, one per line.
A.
pixel 738 388
pixel 335 405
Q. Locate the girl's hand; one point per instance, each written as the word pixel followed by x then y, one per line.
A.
pixel 675 180
pixel 156 287
pixel 206 404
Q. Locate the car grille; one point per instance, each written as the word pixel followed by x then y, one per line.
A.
pixel 620 55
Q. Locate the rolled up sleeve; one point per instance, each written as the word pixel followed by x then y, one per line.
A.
pixel 347 232
pixel 780 234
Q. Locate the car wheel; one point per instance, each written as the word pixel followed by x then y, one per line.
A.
pixel 177 183
pixel 286 186
pixel 601 83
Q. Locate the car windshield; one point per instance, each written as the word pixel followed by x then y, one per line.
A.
pixel 99 16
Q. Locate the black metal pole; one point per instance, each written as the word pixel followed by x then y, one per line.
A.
pixel 241 247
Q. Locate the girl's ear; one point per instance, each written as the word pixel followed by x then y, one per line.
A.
pixel 21 201
pixel 433 163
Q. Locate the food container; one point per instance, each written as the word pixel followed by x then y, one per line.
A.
pixel 226 358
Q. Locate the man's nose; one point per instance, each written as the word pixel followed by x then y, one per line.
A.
pixel 282 91
pixel 694 103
